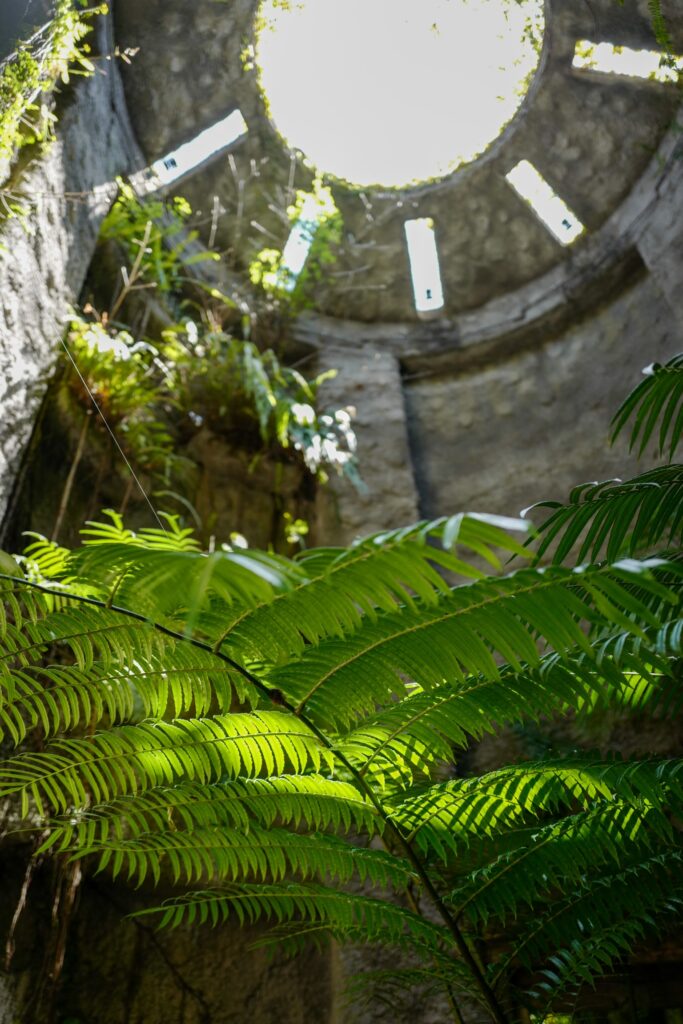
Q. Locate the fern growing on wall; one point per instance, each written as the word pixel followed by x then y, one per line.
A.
pixel 259 731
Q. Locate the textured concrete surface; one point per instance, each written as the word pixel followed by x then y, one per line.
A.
pixel 19 19
pixel 527 428
pixel 369 381
pixel 122 971
pixel 591 136
pixel 661 242
pixel 45 256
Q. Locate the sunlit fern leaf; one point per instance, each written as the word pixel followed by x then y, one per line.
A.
pixel 171 680
pixel 408 738
pixel 210 855
pixel 339 682
pixel 360 918
pixel 447 816
pixel 88 634
pixel 106 664
pixel 271 607
pixel 46 558
pixel 374 639
pixel 378 574
pixel 311 801
pixel 162 574
pixel 181 583
pixel 171 537
pixel 615 518
pixel 132 759
pixel 655 401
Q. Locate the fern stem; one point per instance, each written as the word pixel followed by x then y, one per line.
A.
pixel 487 993
pixel 68 486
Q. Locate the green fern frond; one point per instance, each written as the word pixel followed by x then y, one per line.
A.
pixel 587 959
pixel 130 759
pixel 270 607
pixel 379 574
pixel 162 575
pixel 410 737
pixel 630 894
pixel 338 682
pixel 660 27
pixel 615 518
pixel 346 916
pixel 448 816
pixel 174 680
pixel 541 861
pixel 89 635
pixel 656 400
pixel 213 855
pixel 311 801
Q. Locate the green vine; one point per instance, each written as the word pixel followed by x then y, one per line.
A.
pixel 53 54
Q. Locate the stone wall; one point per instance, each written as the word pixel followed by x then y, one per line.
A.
pixel 530 426
pixel 45 255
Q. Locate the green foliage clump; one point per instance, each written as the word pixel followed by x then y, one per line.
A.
pixel 234 385
pixel 163 260
pixel 117 374
pixel 195 370
pixel 52 55
pixel 262 730
pixel 145 390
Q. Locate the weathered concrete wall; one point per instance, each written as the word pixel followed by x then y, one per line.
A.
pixel 45 256
pixel 368 380
pixel 529 427
pixel 120 970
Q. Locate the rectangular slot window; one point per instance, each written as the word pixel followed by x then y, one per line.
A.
pixel 193 153
pixel 545 203
pixel 295 252
pixel 622 60
pixel 424 265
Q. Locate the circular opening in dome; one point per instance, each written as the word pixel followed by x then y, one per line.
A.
pixel 394 92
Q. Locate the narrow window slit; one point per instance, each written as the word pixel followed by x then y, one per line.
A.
pixel 298 246
pixel 424 265
pixel 546 204
pixel 195 152
pixel 610 59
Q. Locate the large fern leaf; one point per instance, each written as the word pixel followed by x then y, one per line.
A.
pixel 338 682
pixel 131 759
pixel 656 401
pixel 614 518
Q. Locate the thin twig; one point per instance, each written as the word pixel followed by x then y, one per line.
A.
pixel 68 486
pixel 129 279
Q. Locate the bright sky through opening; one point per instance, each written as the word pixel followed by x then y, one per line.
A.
pixel 622 60
pixel 299 242
pixel 196 151
pixel 424 265
pixel 547 205
pixel 394 91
